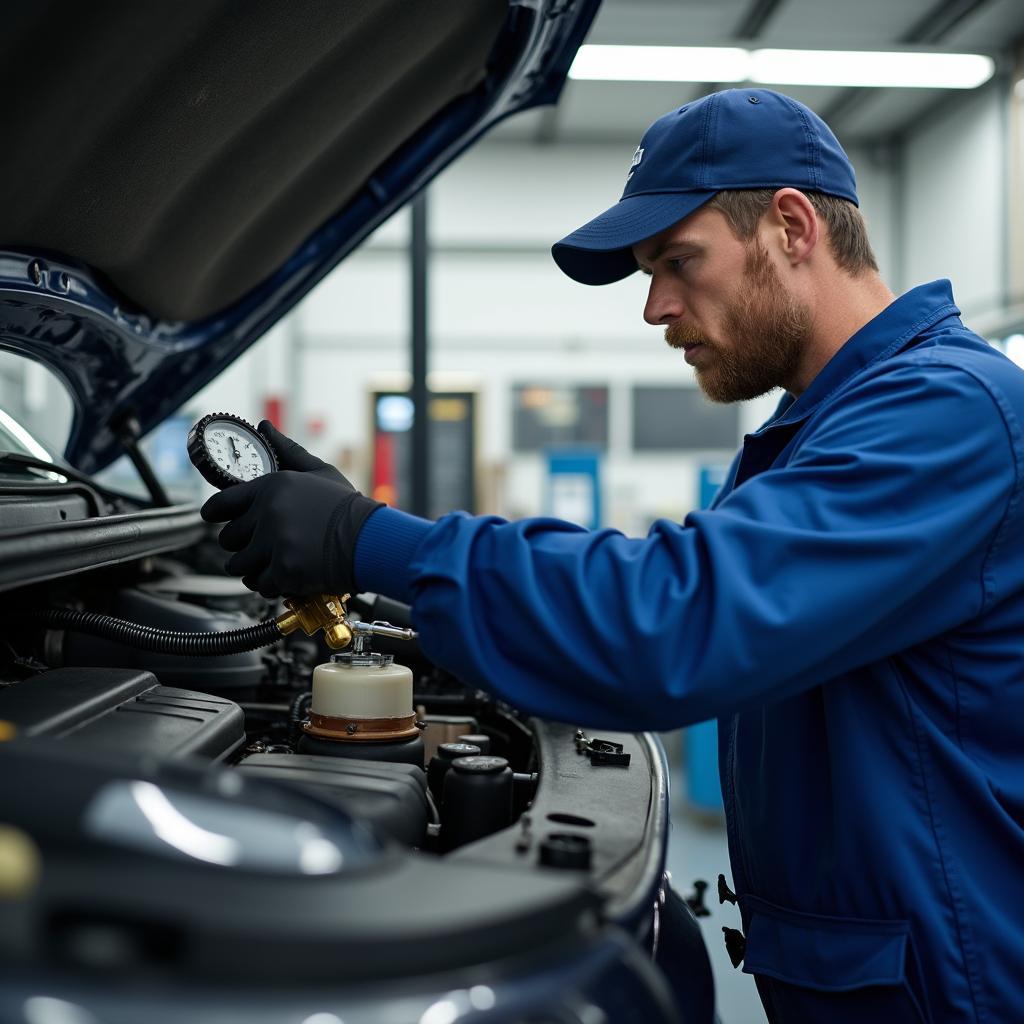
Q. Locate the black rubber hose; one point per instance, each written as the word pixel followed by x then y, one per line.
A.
pixel 160 641
pixel 297 713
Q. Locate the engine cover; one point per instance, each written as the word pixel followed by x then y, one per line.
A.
pixel 123 710
pixel 390 797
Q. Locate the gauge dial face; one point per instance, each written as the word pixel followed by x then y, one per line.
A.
pixel 227 450
pixel 239 452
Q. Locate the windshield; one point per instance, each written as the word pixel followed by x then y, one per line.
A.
pixel 15 438
pixel 35 417
pixel 35 409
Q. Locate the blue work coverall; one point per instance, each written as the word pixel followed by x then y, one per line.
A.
pixel 852 611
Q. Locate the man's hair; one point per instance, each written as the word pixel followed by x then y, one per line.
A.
pixel 847 232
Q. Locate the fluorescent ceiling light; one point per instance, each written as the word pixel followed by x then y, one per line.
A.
pixel 782 67
pixel 867 68
pixel 661 63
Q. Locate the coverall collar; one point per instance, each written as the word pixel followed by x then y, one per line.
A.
pixel 879 338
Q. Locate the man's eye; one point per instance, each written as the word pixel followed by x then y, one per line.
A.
pixel 678 262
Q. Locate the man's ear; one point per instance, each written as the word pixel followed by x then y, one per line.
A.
pixel 793 221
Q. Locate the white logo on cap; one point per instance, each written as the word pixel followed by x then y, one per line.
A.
pixel 637 157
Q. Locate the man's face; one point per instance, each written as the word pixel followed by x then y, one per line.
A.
pixel 723 302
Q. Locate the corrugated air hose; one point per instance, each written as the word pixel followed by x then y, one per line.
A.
pixel 160 641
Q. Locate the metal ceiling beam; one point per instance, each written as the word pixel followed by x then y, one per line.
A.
pixel 932 27
pixel 758 15
pixel 941 20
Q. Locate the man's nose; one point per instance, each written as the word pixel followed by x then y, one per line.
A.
pixel 663 304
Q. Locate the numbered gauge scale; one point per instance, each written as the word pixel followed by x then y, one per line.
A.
pixel 228 450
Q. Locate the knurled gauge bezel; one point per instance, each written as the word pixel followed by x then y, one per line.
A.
pixel 200 456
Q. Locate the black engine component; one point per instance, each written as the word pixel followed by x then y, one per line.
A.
pixel 391 798
pixel 442 761
pixel 124 710
pixel 410 751
pixel 476 800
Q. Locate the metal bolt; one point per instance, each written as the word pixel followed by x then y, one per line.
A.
pixel 36 272
pixel 351 728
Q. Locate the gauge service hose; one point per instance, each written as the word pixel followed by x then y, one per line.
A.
pixel 159 641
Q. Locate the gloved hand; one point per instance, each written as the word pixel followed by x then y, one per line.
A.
pixel 293 532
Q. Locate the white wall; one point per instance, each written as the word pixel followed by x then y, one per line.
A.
pixel 954 200
pixel 501 313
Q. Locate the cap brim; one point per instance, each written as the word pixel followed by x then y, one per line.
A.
pixel 601 251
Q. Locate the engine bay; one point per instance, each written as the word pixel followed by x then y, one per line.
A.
pixel 173 816
pixel 244 710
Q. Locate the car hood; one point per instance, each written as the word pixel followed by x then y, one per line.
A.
pixel 177 176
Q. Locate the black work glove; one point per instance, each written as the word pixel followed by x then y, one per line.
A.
pixel 293 532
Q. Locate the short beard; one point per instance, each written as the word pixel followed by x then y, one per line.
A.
pixel 767 330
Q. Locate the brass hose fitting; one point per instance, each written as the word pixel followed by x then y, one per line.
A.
pixel 316 612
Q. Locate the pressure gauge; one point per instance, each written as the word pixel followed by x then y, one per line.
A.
pixel 228 450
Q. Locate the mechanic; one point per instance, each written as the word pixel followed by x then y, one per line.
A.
pixel 851 608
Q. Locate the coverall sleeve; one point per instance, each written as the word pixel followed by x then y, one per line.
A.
pixel 873 538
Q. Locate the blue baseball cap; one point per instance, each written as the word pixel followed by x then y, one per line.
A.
pixel 734 139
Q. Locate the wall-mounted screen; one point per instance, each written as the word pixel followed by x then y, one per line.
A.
pixel 681 419
pixel 547 415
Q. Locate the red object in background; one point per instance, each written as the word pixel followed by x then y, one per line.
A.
pixel 315 426
pixel 273 410
pixel 384 467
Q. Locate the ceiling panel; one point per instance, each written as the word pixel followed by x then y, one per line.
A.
pixel 611 111
pixel 618 111
pixel 827 25
pixel 668 23
pixel 882 113
pixel 621 111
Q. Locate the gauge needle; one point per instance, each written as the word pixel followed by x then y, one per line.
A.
pixel 234 450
